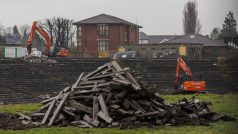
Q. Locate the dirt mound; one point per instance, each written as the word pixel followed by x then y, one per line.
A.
pixel 12 121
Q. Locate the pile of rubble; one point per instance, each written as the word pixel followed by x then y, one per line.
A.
pixel 37 60
pixel 111 97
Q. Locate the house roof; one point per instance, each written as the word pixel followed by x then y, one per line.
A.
pixel 143 36
pixel 197 38
pixel 105 19
pixel 12 45
pixel 153 39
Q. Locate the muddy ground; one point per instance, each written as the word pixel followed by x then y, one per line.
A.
pixel 12 122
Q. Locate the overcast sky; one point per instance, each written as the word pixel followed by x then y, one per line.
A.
pixel 158 17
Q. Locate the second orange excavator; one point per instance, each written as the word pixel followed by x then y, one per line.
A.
pixel 37 28
pixel 187 82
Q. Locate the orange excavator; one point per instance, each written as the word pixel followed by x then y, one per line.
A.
pixel 187 82
pixel 37 28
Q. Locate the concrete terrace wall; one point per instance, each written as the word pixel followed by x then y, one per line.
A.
pixel 24 82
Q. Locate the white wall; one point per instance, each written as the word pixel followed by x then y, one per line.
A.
pixel 16 52
pixel 143 41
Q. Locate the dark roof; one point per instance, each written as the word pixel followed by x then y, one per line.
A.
pixel 197 38
pixel 12 45
pixel 161 38
pixel 105 19
pixel 143 36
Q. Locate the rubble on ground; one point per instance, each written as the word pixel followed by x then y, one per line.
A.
pixel 111 96
pixel 37 60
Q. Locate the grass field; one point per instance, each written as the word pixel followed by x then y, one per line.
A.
pixel 226 103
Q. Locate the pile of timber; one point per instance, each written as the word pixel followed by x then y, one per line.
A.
pixel 112 97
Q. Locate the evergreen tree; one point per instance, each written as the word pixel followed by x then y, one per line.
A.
pixel 229 26
pixel 15 30
pixel 216 34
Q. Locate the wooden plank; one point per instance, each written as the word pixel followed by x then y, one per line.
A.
pixel 116 66
pixel 91 121
pixel 56 112
pixel 103 116
pixel 131 79
pixel 138 106
pixel 95 90
pixel 114 106
pixel 45 106
pixel 85 124
pixel 70 108
pixel 48 112
pixel 122 111
pixel 68 112
pixel 91 86
pixel 23 116
pixel 95 107
pixel 95 71
pixel 133 106
pixel 102 104
pixel 38 114
pixel 121 94
pixel 48 100
pixel 137 88
pixel 60 117
pixel 108 98
pixel 66 90
pixel 120 76
pixel 91 82
pixel 80 107
pixel 81 97
pixel 107 70
pixel 122 82
pixel 78 80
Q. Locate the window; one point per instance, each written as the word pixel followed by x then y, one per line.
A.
pixel 153 48
pixel 79 42
pixel 102 45
pixel 103 30
pixel 79 31
pixel 143 48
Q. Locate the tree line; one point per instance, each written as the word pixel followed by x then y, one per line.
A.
pixel 192 25
pixel 61 31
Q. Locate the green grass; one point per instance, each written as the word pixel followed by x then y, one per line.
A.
pixel 226 103
pixel 25 108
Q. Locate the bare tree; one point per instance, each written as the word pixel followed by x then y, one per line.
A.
pixel 9 30
pixel 24 29
pixel 2 29
pixel 191 23
pixel 61 31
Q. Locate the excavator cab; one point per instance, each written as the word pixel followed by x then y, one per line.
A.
pixel 188 82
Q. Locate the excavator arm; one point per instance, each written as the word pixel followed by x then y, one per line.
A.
pixel 187 82
pixel 36 28
pixel 183 65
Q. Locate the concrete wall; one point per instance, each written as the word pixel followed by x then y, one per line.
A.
pixel 217 51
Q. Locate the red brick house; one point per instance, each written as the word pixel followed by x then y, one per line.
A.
pixel 101 36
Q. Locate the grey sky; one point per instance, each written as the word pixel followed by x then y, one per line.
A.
pixel 156 16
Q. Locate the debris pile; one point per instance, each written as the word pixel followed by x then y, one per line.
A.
pixel 37 60
pixel 112 97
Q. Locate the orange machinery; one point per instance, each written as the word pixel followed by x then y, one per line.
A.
pixel 188 82
pixel 35 27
